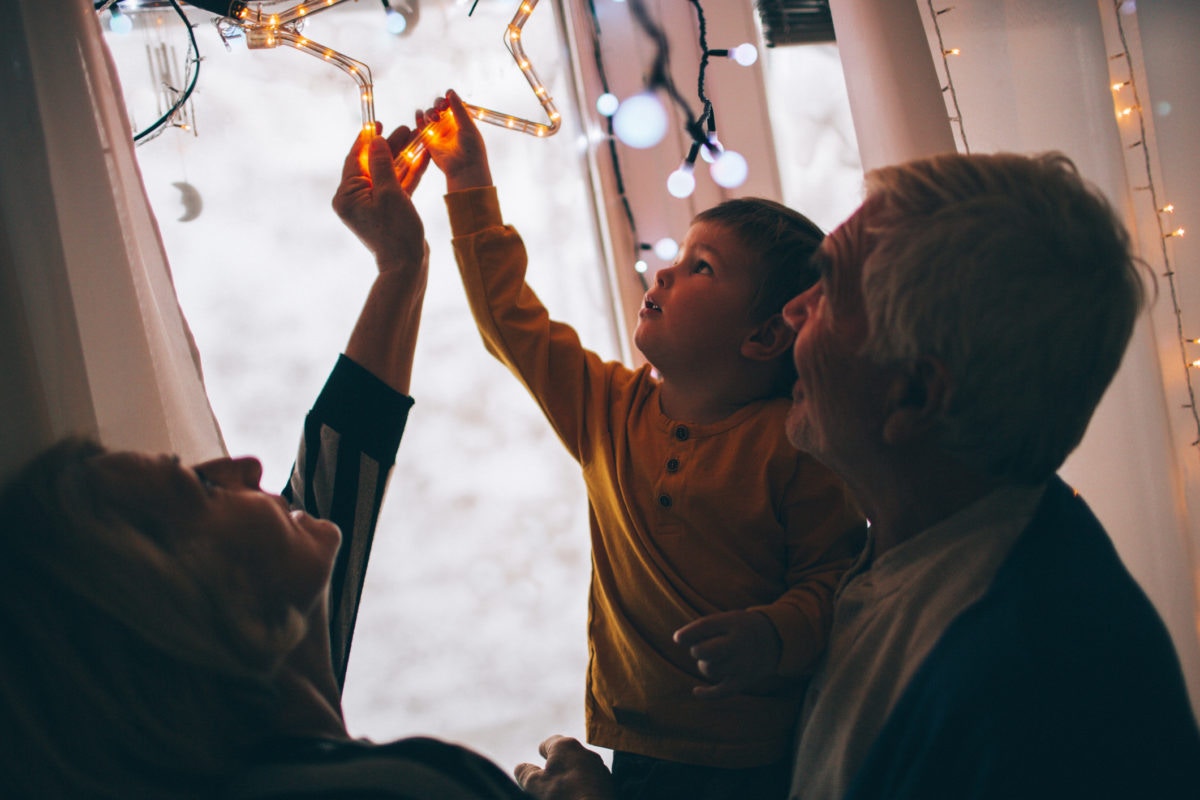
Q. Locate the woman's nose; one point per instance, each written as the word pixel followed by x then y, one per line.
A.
pixel 245 472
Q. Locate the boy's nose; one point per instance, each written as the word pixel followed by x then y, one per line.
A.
pixel 664 276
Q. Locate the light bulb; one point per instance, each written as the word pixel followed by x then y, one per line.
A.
pixel 729 170
pixel 640 266
pixel 118 22
pixel 640 121
pixel 681 183
pixel 744 54
pixel 607 104
pixel 666 248
pixel 710 154
pixel 397 23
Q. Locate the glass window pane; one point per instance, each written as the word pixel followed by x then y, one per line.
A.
pixel 473 619
pixel 819 165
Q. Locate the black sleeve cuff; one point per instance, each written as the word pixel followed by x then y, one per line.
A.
pixel 363 409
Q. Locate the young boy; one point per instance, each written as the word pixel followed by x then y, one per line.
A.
pixel 703 518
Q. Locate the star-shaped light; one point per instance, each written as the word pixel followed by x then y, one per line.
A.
pixel 264 31
pixel 512 40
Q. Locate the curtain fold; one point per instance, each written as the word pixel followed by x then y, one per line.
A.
pixel 91 323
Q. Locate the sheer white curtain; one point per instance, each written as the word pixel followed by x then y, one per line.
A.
pixel 93 339
pixel 1033 76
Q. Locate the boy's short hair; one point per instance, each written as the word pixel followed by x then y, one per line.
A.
pixel 784 240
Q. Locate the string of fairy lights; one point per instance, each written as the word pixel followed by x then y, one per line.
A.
pixel 175 113
pixel 947 53
pixel 640 121
pixel 1129 114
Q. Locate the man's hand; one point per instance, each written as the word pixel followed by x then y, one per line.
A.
pixel 455 144
pixel 572 772
pixel 373 199
pixel 733 649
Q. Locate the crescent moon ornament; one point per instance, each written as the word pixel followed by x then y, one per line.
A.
pixel 193 203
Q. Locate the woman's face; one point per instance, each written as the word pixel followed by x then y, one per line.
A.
pixel 217 508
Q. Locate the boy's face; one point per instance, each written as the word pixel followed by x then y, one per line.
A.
pixel 698 309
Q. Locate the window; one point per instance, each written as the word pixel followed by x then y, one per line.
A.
pixel 473 618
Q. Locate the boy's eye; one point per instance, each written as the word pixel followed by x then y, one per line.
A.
pixel 702 267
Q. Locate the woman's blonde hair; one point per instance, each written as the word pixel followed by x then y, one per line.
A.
pixel 130 665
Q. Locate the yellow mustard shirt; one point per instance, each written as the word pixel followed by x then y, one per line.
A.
pixel 686 520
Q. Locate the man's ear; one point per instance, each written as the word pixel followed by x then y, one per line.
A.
pixel 916 399
pixel 767 342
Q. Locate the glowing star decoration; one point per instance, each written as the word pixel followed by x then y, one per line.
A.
pixel 265 31
pixel 512 41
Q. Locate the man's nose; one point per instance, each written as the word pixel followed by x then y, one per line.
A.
pixel 795 311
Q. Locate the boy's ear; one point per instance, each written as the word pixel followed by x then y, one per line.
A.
pixel 771 339
pixel 916 401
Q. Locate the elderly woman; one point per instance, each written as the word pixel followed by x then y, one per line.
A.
pixel 174 631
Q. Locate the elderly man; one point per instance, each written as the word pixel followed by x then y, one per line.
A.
pixel 988 643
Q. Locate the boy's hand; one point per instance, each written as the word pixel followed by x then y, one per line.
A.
pixel 373 199
pixel 455 145
pixel 733 649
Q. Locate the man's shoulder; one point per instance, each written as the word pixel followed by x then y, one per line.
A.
pixel 1061 670
pixel 1063 637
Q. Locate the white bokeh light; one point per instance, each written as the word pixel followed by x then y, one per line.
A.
pixel 118 22
pixel 729 170
pixel 640 121
pixel 681 182
pixel 397 23
pixel 707 153
pixel 744 54
pixel 607 104
pixel 666 248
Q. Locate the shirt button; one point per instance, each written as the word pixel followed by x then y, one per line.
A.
pixel 672 465
pixel 681 433
pixel 664 500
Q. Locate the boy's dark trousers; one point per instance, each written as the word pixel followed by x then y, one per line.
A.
pixel 640 777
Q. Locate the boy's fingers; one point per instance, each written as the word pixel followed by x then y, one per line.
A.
pixel 457 108
pixel 697 631
pixel 399 139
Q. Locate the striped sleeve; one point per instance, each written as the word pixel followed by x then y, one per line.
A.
pixel 346 455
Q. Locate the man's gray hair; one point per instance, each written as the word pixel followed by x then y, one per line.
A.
pixel 1018 276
